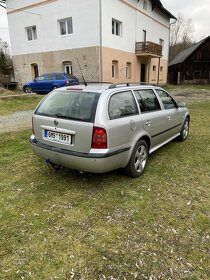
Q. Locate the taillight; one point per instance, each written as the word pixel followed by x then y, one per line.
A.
pixel 99 139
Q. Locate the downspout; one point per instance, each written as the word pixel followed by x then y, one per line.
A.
pixel 100 43
pixel 158 77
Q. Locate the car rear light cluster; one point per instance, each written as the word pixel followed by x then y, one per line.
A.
pixel 99 138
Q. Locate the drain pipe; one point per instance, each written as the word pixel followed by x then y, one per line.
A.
pixel 100 42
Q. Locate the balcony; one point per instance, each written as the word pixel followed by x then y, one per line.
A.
pixel 148 49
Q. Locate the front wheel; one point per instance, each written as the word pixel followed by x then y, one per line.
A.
pixel 185 130
pixel 28 89
pixel 138 161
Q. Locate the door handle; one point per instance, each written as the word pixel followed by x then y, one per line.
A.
pixel 148 123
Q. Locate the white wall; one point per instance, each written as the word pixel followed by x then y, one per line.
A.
pixel 86 25
pixel 133 22
pixel 85 15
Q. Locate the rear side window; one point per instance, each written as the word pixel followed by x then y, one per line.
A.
pixel 72 105
pixel 49 77
pixel 167 100
pixel 40 78
pixel 147 100
pixel 122 104
pixel 59 77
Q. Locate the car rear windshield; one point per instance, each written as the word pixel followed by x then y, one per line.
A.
pixel 71 77
pixel 74 105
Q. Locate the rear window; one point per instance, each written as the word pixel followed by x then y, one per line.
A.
pixel 69 76
pixel 122 104
pixel 74 105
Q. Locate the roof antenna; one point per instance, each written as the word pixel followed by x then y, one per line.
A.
pixel 81 73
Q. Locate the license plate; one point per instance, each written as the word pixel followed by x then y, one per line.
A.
pixel 58 137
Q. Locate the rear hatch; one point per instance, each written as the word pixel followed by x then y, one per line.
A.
pixel 64 119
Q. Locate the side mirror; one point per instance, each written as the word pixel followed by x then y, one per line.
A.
pixel 181 104
pixel 34 80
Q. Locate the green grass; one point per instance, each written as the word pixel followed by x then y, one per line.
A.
pixel 71 225
pixel 9 106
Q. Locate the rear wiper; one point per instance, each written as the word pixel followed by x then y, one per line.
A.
pixel 60 115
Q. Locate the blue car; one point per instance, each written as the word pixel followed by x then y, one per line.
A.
pixel 50 81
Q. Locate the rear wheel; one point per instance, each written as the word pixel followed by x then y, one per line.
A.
pixel 185 130
pixel 28 89
pixel 138 160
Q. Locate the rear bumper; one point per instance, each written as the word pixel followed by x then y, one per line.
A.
pixel 90 162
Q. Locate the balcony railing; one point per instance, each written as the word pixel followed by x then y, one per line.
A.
pixel 148 48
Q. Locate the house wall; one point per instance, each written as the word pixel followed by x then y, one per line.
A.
pixel 45 17
pixel 53 62
pixel 92 41
pixel 134 20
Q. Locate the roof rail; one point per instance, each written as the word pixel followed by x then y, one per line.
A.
pixel 95 82
pixel 130 84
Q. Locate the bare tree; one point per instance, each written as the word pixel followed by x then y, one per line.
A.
pixel 5 59
pixel 180 35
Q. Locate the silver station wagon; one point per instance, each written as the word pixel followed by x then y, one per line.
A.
pixel 101 127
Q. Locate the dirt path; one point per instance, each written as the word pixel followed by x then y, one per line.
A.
pixel 190 94
pixel 15 121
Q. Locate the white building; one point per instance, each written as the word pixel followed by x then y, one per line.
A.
pixel 111 40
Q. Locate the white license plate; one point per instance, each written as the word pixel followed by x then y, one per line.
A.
pixel 58 137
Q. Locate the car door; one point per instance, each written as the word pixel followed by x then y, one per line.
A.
pixel 36 84
pixel 123 120
pixel 48 81
pixel 60 80
pixel 152 116
pixel 173 114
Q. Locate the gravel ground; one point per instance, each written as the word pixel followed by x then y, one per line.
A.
pixel 15 121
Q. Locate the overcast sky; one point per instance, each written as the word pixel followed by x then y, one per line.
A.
pixel 197 10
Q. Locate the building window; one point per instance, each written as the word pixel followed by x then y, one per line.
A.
pixel 66 26
pixel 116 27
pixel 144 34
pixel 161 42
pixel 67 67
pixel 161 73
pixel 145 5
pixel 128 70
pixel 154 73
pixel 114 69
pixel 31 33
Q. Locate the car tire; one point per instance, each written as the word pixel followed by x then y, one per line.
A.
pixel 27 89
pixel 185 130
pixel 138 160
